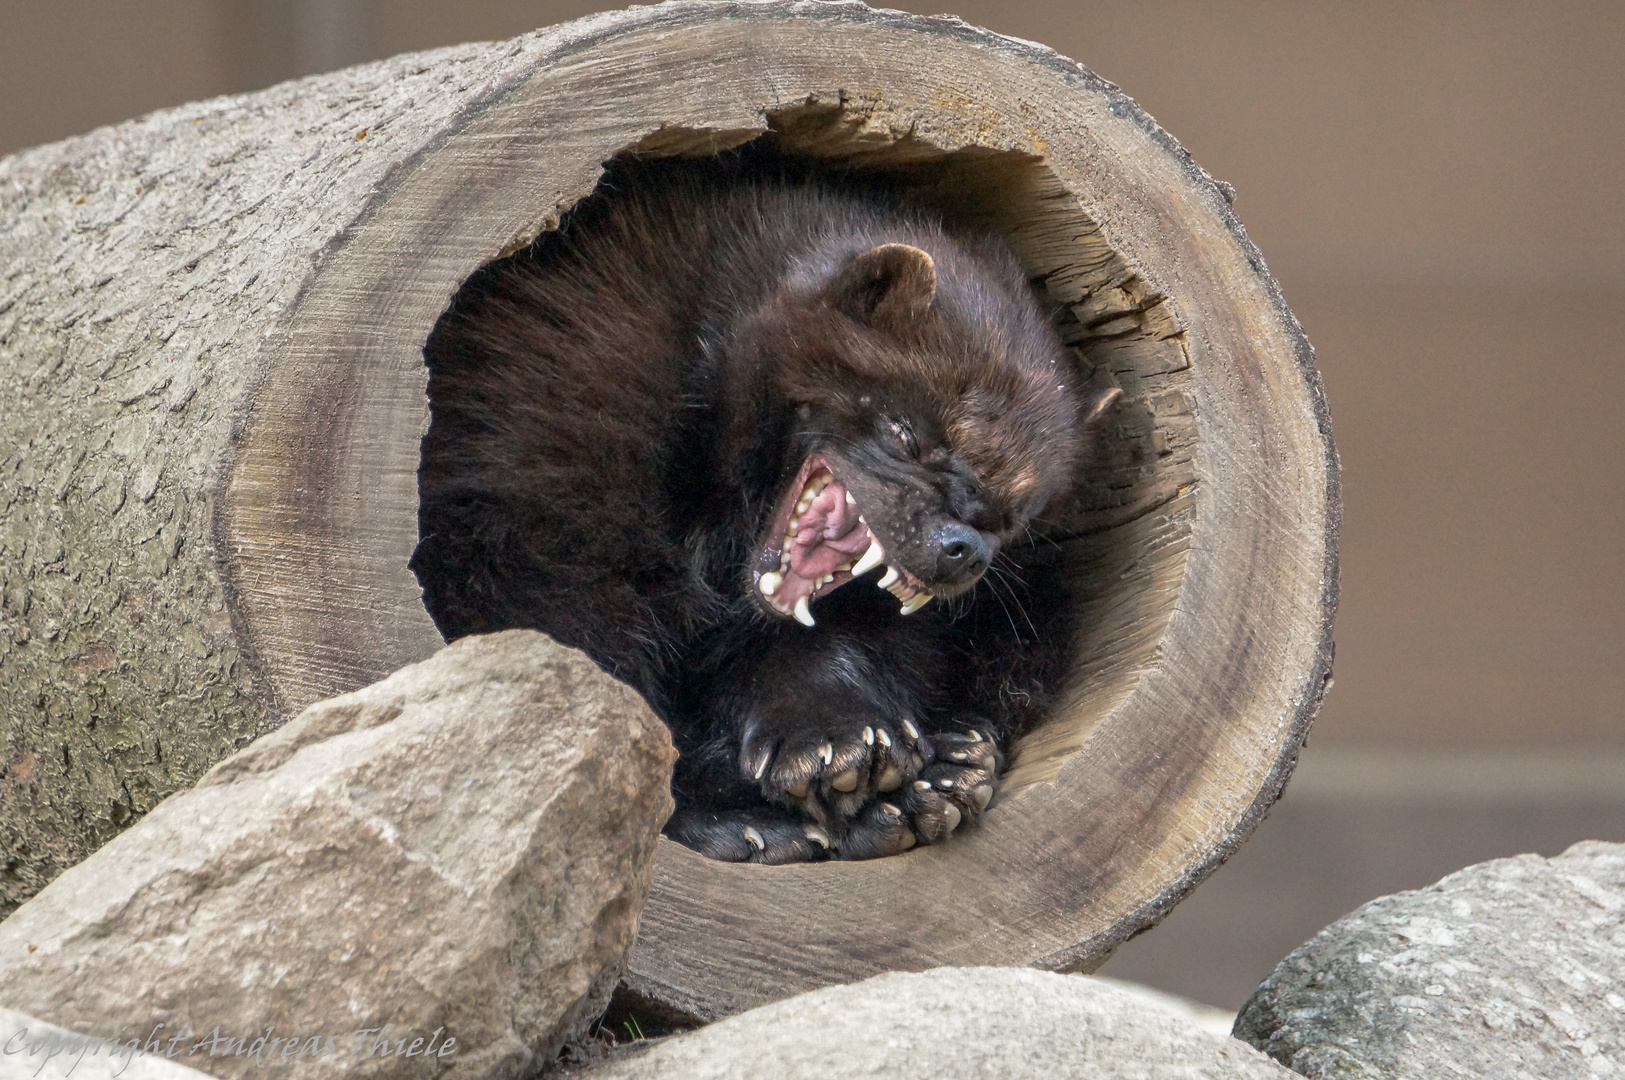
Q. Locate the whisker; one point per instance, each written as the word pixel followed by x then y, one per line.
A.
pixel 993 587
pixel 1003 577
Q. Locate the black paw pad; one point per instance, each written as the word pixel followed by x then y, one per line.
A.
pixel 935 813
pixel 882 829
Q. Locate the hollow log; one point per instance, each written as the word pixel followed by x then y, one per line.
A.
pixel 211 330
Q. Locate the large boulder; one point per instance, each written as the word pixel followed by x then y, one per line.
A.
pixel 460 849
pixel 953 1024
pixel 1511 968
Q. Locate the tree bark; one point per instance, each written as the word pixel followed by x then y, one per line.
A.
pixel 216 315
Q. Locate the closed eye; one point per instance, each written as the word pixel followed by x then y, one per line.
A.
pixel 905 436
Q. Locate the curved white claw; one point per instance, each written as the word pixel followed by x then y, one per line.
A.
pixel 755 838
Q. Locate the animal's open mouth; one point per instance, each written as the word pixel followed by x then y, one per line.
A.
pixel 817 541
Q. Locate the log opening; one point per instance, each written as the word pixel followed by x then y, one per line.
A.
pixel 1123 526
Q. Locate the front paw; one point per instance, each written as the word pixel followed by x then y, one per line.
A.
pixel 766 835
pixel 957 787
pixel 950 792
pixel 832 768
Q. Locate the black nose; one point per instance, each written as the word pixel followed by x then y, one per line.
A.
pixel 963 553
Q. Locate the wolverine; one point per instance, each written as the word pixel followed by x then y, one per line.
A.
pixel 767 445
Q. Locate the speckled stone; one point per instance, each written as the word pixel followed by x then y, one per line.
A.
pixel 1513 968
pixel 954 1024
pixel 464 846
pixel 31 1049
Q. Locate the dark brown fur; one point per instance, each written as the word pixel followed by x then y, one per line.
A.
pixel 616 415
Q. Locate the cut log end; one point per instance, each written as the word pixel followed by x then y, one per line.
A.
pixel 1202 558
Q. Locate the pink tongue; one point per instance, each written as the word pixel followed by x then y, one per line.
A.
pixel 829 535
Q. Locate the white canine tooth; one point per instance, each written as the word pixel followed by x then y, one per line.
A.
pixel 917 603
pixel 850 501
pixel 755 837
pixel 889 578
pixel 769 583
pixel 803 611
pixel 871 559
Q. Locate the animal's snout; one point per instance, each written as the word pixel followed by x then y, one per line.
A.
pixel 963 553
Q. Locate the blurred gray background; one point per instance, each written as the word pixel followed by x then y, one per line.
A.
pixel 1438 188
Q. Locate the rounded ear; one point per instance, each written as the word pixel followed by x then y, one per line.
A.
pixel 889 283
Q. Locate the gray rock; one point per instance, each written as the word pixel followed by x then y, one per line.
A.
pixel 1513 968
pixel 949 1024
pixel 1207 1017
pixel 463 847
pixel 31 1049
